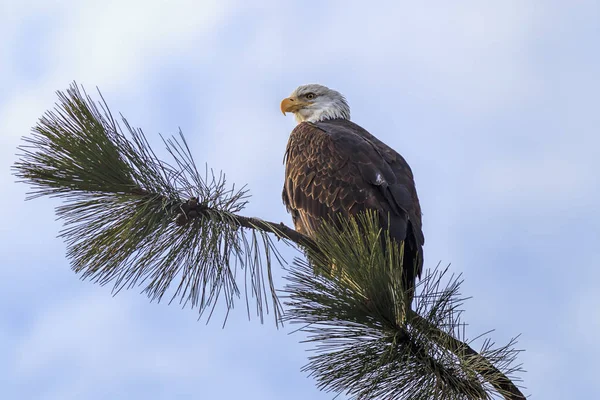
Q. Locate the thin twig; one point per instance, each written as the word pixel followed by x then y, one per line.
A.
pixel 191 209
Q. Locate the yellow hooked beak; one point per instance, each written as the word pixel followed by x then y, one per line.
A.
pixel 292 105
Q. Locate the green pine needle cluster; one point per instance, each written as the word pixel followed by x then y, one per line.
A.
pixel 120 201
pixel 369 344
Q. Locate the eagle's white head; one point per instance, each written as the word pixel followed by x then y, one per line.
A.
pixel 314 103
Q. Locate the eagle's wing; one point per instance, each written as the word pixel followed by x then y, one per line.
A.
pixel 402 172
pixel 332 167
pixel 319 179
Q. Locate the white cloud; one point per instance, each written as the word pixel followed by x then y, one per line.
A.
pixel 472 56
pixel 105 327
pixel 99 345
pixel 585 323
pixel 521 182
pixel 105 43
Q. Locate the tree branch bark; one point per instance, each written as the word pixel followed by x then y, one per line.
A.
pixel 192 209
pixel 491 374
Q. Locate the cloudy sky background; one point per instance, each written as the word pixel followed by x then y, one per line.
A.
pixel 494 105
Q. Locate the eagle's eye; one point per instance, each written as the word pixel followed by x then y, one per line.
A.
pixel 310 96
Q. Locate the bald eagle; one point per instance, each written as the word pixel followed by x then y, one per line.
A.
pixel 334 166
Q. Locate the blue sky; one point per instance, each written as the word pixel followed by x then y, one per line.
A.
pixel 494 105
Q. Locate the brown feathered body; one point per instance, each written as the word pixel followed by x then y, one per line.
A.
pixel 334 167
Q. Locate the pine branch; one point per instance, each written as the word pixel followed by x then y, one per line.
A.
pixel 121 201
pixel 485 368
pixel 367 347
pixel 191 209
pixel 401 336
pixel 132 219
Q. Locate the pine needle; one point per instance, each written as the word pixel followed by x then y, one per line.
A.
pixel 120 204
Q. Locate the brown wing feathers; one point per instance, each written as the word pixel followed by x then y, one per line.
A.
pixel 336 166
